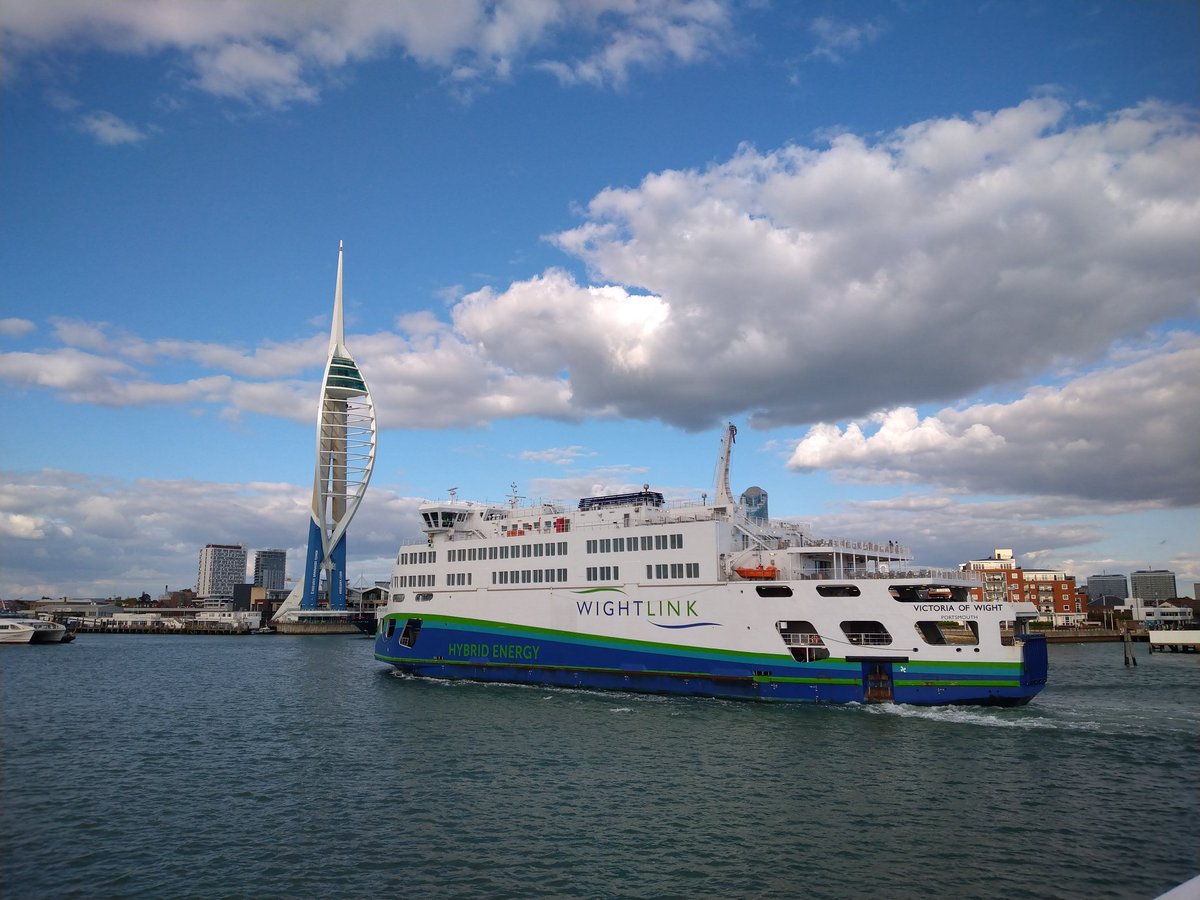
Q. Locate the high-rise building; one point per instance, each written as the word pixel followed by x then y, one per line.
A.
pixel 221 567
pixel 754 501
pixel 1153 584
pixel 270 569
pixel 1111 586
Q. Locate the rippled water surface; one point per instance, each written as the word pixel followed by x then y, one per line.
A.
pixel 147 766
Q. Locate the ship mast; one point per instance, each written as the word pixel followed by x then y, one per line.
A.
pixel 724 496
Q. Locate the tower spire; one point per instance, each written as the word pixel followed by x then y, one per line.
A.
pixel 337 333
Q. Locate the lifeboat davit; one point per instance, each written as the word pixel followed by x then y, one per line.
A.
pixel 759 573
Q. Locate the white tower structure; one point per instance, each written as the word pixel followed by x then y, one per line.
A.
pixel 345 458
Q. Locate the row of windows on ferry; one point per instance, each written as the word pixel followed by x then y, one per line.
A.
pixel 633 544
pixel 474 554
pixel 549 576
pixel 553 548
pixel 807 645
pixel 507 551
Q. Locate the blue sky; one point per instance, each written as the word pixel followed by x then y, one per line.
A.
pixel 936 260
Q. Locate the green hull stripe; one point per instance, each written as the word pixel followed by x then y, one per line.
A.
pixel 957 682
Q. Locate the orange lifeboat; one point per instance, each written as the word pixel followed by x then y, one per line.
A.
pixel 759 573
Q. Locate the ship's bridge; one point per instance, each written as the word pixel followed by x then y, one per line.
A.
pixel 444 516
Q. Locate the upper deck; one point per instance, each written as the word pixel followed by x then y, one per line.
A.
pixel 632 530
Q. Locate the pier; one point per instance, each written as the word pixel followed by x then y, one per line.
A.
pixel 108 626
pixel 1091 636
pixel 1175 641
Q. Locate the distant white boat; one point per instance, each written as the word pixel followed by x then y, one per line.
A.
pixel 16 630
pixel 13 631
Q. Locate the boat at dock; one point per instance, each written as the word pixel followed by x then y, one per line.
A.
pixel 24 630
pixel 631 592
pixel 14 632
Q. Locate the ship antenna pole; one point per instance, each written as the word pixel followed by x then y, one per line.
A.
pixel 724 496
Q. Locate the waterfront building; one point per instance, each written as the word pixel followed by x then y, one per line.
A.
pixel 1158 614
pixel 221 567
pixel 754 501
pixel 1051 589
pixel 997 576
pixel 270 568
pixel 1153 585
pixel 1114 587
pixel 64 610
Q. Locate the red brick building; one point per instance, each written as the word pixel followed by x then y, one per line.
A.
pixel 1052 591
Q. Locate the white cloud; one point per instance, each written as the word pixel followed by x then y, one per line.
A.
pixel 19 526
pixel 836 37
pixel 67 370
pixel 16 327
pixel 817 284
pixel 276 54
pixel 439 380
pixel 645 35
pixel 253 71
pixel 590 326
pixel 111 130
pixel 1124 433
pixel 558 456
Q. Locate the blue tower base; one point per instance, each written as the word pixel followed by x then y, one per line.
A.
pixel 312 571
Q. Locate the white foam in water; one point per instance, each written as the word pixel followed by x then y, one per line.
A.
pixel 971 715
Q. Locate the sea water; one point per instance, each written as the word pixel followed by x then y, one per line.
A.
pixel 276 766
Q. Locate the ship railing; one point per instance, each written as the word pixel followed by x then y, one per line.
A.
pixel 891 549
pixel 869 638
pixel 893 574
pixel 805 639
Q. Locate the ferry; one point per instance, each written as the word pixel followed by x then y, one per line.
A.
pixel 633 592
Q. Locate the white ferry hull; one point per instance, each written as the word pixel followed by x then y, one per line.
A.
pixel 714 640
